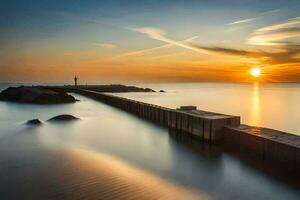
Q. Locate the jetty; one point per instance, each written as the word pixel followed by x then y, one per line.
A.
pixel 280 148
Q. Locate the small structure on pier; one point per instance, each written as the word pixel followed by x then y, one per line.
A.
pixel 206 125
pixel 75 80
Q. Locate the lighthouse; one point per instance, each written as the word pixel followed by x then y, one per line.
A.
pixel 75 80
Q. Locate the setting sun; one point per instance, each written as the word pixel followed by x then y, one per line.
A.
pixel 256 72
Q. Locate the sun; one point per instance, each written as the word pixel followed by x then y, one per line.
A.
pixel 256 72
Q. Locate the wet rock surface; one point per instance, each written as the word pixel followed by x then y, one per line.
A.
pixel 116 88
pixel 35 95
pixel 63 118
pixel 35 122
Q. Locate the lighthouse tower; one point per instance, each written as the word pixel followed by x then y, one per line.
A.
pixel 75 80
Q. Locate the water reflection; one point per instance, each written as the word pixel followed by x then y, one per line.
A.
pixel 35 160
pixel 255 111
pixel 269 105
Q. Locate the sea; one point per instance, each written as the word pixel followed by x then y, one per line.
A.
pixel 111 154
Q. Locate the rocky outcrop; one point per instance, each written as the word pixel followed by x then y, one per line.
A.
pixel 62 118
pixel 113 88
pixel 34 122
pixel 35 95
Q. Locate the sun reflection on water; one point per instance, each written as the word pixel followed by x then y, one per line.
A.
pixel 255 110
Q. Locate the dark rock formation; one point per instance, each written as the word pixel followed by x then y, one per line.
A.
pixel 162 91
pixel 35 122
pixel 107 88
pixel 61 118
pixel 35 95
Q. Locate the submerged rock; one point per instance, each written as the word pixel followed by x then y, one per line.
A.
pixel 63 118
pixel 35 95
pixel 115 88
pixel 148 90
pixel 34 122
pixel 162 91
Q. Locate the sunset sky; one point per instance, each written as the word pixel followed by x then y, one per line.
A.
pixel 149 40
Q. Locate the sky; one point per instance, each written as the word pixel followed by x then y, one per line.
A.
pixel 149 40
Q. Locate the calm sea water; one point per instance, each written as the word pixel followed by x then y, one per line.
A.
pixel 110 154
pixel 269 105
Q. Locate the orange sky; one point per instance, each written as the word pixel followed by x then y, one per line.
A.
pixel 179 45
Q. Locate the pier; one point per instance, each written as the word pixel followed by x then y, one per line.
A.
pixel 281 149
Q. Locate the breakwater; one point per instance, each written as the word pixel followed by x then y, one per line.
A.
pixel 185 120
pixel 269 145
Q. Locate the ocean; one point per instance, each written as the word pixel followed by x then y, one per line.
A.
pixel 110 154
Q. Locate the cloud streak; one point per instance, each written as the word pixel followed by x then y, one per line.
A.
pixel 133 53
pixel 242 21
pixel 289 55
pixel 158 34
pixel 105 45
pixel 276 34
pixel 248 20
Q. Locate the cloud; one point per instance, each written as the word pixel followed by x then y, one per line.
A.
pixel 270 12
pixel 276 34
pixel 288 55
pixel 133 53
pixel 158 34
pixel 105 45
pixel 242 21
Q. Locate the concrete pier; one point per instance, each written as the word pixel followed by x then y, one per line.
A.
pixel 273 146
pixel 206 125
pixel 185 120
pixel 266 144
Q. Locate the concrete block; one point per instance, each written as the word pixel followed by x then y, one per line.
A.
pixel 252 145
pixel 188 108
pixel 283 155
pixel 197 127
pixel 178 121
pixel 161 116
pixel 184 123
pixel 172 119
pixel 157 114
pixel 231 138
pixel 298 161
pixel 207 124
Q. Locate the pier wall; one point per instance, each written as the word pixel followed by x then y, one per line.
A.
pixel 280 148
pixel 266 144
pixel 204 125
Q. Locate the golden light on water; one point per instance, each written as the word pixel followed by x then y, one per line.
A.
pixel 256 71
pixel 255 111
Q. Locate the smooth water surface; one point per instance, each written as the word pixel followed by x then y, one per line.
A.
pixel 110 154
pixel 273 106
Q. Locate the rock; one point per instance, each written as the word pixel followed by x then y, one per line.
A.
pixel 162 91
pixel 34 122
pixel 148 90
pixel 63 118
pixel 115 88
pixel 35 95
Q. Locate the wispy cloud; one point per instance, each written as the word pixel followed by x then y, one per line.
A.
pixel 289 55
pixel 105 45
pixel 158 34
pixel 276 34
pixel 243 21
pixel 133 53
pixel 270 12
pixel 248 20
